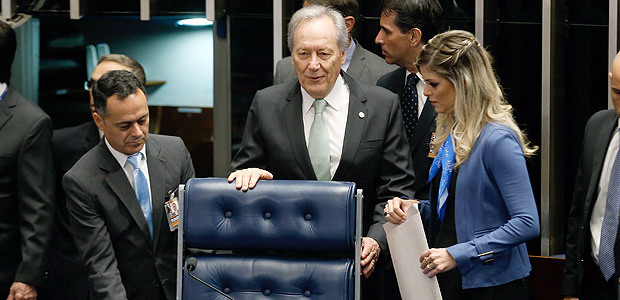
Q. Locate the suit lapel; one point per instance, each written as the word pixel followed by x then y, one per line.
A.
pixel 424 124
pixel 157 171
pixel 600 150
pixel 355 127
pixel 117 180
pixel 6 105
pixel 295 131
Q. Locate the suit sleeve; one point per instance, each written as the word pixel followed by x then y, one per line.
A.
pixel 93 241
pixel 35 186
pixel 188 166
pixel 396 171
pixel 252 153
pixel 504 160
pixel 571 283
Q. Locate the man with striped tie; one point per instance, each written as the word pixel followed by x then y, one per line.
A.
pixel 592 251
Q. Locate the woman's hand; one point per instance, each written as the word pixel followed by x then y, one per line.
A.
pixel 434 261
pixel 395 210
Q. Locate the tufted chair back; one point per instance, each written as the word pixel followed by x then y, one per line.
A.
pixel 284 239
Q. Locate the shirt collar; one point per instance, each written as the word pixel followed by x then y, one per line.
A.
pixel 3 90
pixel 331 98
pixel 416 74
pixel 121 158
pixel 350 50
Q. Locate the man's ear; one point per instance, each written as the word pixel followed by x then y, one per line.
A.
pixel 349 21
pixel 415 36
pixel 98 120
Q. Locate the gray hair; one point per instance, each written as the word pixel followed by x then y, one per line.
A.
pixel 315 12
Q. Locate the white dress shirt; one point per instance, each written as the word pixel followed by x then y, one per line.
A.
pixel 596 220
pixel 128 168
pixel 335 116
pixel 420 88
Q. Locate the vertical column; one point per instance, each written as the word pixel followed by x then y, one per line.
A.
pixel 76 9
pixel 222 95
pixel 545 147
pixel 277 32
pixel 613 42
pixel 479 21
pixel 9 8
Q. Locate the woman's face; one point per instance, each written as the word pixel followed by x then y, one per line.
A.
pixel 439 90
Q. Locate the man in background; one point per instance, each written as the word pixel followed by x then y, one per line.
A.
pixel 360 63
pixel 26 184
pixel 67 276
pixel 116 194
pixel 406 26
pixel 592 251
pixel 328 126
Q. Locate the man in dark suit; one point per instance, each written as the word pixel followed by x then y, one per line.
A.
pixel 328 126
pixel 361 64
pixel 67 276
pixel 406 26
pixel 26 184
pixel 116 194
pixel 592 251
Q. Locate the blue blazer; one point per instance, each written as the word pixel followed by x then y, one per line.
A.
pixel 495 211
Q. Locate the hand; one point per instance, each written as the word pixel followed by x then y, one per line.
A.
pixel 571 298
pixel 247 178
pixel 370 254
pixel 22 291
pixel 395 210
pixel 434 261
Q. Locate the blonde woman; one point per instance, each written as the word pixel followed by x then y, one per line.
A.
pixel 481 195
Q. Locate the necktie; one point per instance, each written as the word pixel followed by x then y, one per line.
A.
pixel 318 143
pixel 606 257
pixel 142 189
pixel 409 104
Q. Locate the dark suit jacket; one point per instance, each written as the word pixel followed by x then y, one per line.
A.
pixel 67 276
pixel 110 229
pixel 365 66
pixel 598 134
pixel 375 152
pixel 395 82
pixel 26 189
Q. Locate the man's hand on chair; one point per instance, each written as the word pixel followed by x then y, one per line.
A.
pixel 247 178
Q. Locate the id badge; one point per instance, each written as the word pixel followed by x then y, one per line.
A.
pixel 432 153
pixel 172 211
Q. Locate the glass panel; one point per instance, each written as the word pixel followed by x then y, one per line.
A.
pixel 519 70
pixel 251 66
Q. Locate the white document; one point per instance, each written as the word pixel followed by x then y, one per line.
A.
pixel 407 241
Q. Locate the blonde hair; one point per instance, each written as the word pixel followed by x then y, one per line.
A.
pixel 457 56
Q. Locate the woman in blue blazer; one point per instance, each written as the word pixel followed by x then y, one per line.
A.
pixel 481 195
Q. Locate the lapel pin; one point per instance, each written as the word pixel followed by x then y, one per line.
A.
pixel 361 114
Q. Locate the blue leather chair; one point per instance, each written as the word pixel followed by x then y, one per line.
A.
pixel 284 239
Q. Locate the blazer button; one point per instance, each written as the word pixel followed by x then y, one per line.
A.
pixel 155 283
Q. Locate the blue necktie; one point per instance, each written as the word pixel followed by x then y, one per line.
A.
pixel 609 230
pixel 142 189
pixel 409 105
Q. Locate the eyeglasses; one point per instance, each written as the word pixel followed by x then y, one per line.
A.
pixel 89 84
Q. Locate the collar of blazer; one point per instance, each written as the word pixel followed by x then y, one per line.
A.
pixel 117 180
pixel 353 131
